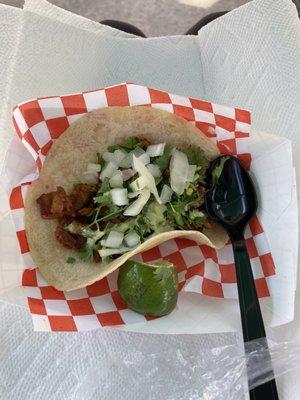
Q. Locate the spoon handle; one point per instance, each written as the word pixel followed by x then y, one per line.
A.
pixel 252 321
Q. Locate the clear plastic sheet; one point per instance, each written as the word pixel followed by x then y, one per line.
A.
pixel 219 373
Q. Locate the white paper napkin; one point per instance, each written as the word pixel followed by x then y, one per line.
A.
pixel 10 27
pixel 78 59
pixel 249 14
pixel 251 58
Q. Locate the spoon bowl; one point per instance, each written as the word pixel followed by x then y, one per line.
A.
pixel 231 201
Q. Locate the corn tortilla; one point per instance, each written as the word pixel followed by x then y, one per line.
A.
pixel 64 166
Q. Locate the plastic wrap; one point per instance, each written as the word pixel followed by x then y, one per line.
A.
pixel 218 373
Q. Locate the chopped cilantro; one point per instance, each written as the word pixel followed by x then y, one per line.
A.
pixel 86 251
pixel 196 156
pixel 71 260
pixel 130 144
pixel 125 226
pixel 155 218
pixel 141 227
pixel 175 213
pixel 100 160
pixel 104 187
pixel 113 148
pixel 163 161
pixel 197 218
pixel 116 211
pixel 103 199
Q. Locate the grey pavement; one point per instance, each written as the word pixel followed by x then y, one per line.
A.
pixel 154 17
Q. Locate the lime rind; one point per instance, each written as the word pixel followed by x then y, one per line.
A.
pixel 149 289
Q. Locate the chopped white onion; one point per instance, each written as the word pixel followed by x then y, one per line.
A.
pixel 179 169
pixel 127 174
pixel 191 173
pixel 166 194
pixel 114 240
pixel 93 167
pixel 89 233
pixel 119 196
pixel 136 207
pixel 147 177
pixel 154 170
pixel 137 152
pixel 127 161
pixel 118 156
pixel 74 227
pixel 108 156
pixel 138 184
pixel 90 178
pixel 116 181
pixel 111 252
pixel 90 242
pixel 132 195
pixel 155 150
pixel 144 158
pixel 108 171
pixel 132 239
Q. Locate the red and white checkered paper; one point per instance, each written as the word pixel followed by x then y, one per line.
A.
pixel 201 269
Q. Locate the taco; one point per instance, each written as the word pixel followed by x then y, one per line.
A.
pixel 118 181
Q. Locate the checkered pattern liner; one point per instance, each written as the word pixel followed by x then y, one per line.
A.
pixel 201 269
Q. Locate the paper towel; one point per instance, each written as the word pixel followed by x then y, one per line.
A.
pixel 19 333
pixel 278 84
pixel 92 61
pixel 251 59
pixel 10 28
pixel 10 24
pixel 82 60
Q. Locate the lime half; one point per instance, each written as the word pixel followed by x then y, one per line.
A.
pixel 149 289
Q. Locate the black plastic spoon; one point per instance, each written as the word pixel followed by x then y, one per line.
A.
pixel 231 202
